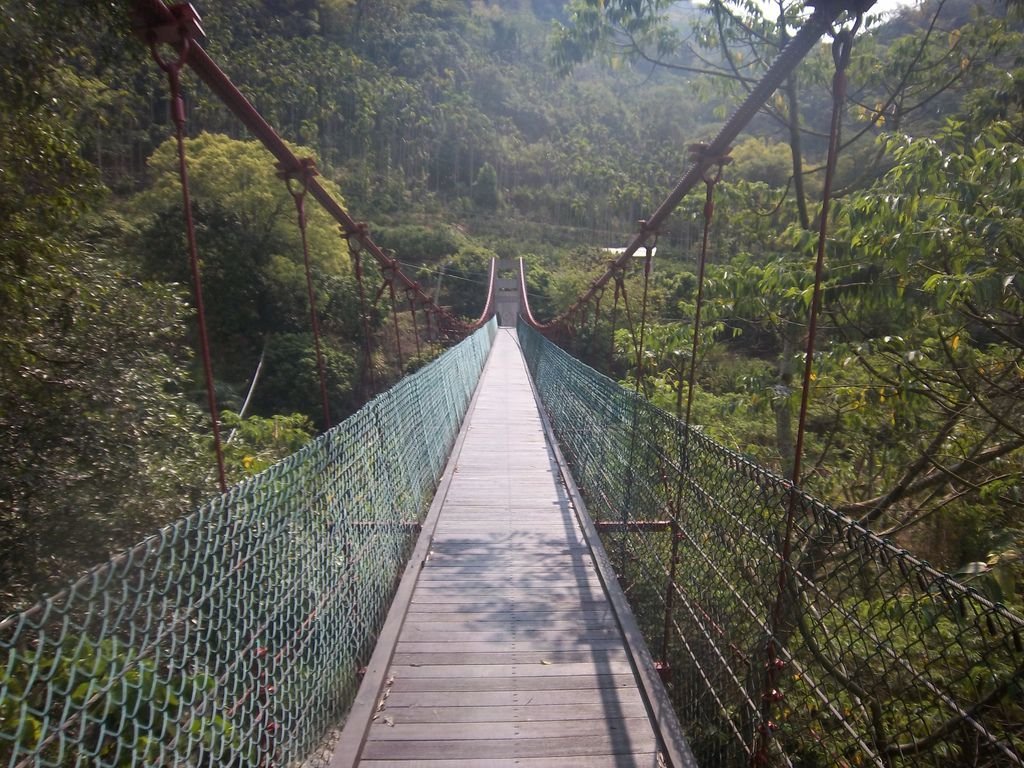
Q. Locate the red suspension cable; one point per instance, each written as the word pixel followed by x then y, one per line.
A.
pixel 415 324
pixel 648 255
pixel 428 330
pixel 597 319
pixel 825 12
pixel 629 312
pixel 488 309
pixel 305 171
pixel 394 320
pixel 159 23
pixel 355 248
pixel 388 285
pixel 615 320
pixel 709 210
pixel 773 694
pixel 173 71
pixel 841 54
pixel 710 181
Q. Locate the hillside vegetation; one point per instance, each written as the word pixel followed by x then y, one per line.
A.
pixel 460 130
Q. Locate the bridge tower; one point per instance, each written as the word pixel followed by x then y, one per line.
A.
pixel 506 293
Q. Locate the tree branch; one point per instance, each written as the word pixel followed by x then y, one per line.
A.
pixel 644 56
pixel 871 509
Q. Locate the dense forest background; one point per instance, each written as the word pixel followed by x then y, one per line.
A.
pixel 464 129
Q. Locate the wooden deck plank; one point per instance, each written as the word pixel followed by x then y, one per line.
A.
pixel 523 544
pixel 548 576
pixel 501 683
pixel 609 743
pixel 432 591
pixel 478 613
pixel 511 649
pixel 597 658
pixel 474 602
pixel 512 713
pixel 491 645
pixel 474 616
pixel 489 557
pixel 534 702
pixel 544 636
pixel 509 591
pixel 509 652
pixel 459 631
pixel 533 668
pixel 514 587
pixel 389 729
pixel 649 760
pixel 439 564
pixel 598 641
pixel 538 577
pixel 463 593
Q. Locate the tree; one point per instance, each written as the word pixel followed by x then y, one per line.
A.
pixel 252 263
pixel 485 189
pixel 740 38
pixel 946 228
pixel 97 442
pixel 758 159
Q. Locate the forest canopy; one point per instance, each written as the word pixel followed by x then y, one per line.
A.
pixel 465 130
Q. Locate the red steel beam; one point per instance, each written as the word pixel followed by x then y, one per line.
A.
pixel 159 23
pixel 825 12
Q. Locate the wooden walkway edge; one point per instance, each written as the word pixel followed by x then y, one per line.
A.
pixel 509 641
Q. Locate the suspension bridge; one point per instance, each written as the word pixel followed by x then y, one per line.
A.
pixel 508 559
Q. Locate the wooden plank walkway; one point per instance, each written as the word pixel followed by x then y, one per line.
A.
pixel 508 651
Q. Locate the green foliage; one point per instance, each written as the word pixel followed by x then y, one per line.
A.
pixel 97 442
pixel 255 443
pixel 445 109
pixel 756 159
pixel 227 638
pixel 485 188
pixel 949 215
pixel 878 647
pixel 917 72
pixel 420 243
pixel 240 177
pixel 916 356
pixel 595 27
pixel 290 383
pixel 110 682
pixel 253 276
pixel 946 224
pixel 464 278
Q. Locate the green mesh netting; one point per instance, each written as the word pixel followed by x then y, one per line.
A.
pixel 235 636
pixel 884 661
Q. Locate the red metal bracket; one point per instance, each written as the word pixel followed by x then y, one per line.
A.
pixel 302 171
pixel 181 23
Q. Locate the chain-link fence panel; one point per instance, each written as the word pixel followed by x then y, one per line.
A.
pixel 235 636
pixel 850 653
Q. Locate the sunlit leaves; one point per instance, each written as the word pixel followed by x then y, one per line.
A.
pixel 949 213
pixel 255 443
pixel 97 440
